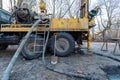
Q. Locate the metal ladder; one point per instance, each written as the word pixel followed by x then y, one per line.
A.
pixel 41 47
pixel 39 40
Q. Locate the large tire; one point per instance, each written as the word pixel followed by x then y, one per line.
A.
pixel 28 51
pixel 65 44
pixel 3 47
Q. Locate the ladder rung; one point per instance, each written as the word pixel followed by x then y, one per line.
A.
pixel 39 39
pixel 43 33
pixel 39 33
pixel 45 29
pixel 38 52
pixel 43 26
pixel 39 45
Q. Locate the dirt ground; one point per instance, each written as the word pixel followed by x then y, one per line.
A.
pixel 34 70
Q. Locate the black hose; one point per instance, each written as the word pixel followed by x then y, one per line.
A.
pixel 107 56
pixel 84 76
pixel 88 77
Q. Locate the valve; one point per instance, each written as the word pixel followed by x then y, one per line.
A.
pixel 43 7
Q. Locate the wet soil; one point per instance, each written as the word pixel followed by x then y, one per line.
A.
pixel 78 63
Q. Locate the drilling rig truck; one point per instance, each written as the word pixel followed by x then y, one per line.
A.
pixel 67 31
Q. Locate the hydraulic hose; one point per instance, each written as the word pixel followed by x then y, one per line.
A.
pixel 17 53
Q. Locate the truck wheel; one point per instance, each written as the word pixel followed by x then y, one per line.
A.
pixel 3 47
pixel 65 44
pixel 30 51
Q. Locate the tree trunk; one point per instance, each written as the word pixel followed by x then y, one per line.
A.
pixel 0 3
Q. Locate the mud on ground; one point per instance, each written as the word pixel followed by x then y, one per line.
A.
pixel 34 70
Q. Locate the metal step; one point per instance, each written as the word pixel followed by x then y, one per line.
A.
pixel 38 52
pixel 39 45
pixel 39 39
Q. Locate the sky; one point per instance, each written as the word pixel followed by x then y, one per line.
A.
pixel 6 4
pixel 93 3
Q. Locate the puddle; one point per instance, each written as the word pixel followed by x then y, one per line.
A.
pixel 114 77
pixel 113 72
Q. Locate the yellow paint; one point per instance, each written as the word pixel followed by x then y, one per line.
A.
pixel 15 26
pixel 89 41
pixel 72 23
pixel 92 22
pixel 42 5
pixel 58 24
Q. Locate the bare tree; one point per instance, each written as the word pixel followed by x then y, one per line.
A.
pixel 19 2
pixel 0 3
pixel 63 8
pixel 59 8
pixel 109 11
pixel 11 2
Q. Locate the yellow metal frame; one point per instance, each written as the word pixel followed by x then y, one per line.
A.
pixel 58 24
pixel 89 41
